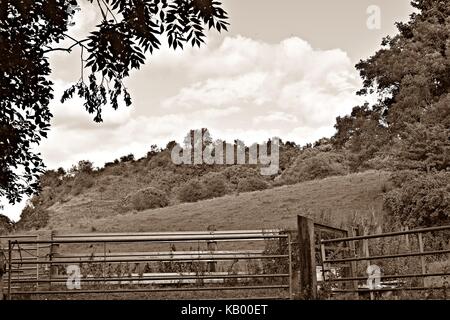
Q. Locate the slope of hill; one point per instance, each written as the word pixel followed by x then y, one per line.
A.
pixel 335 200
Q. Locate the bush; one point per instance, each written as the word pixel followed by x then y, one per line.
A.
pixel 191 191
pixel 148 198
pixel 84 166
pixel 160 160
pixel 211 185
pixel 214 185
pixel 33 218
pixel 6 225
pixel 422 200
pixel 82 182
pixel 313 164
pixel 235 173
pixel 251 184
pixel 127 158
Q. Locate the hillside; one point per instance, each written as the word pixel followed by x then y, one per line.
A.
pixel 335 200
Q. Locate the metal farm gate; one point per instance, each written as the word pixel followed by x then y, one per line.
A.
pixel 313 262
pixel 238 264
pixel 390 265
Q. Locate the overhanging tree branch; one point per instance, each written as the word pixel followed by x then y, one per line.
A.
pixel 69 49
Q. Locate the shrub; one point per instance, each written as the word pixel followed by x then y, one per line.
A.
pixel 82 182
pixel 160 160
pixel 214 185
pixel 148 198
pixel 33 218
pixel 211 185
pixel 191 191
pixel 84 166
pixel 127 158
pixel 116 170
pixel 251 184
pixel 235 173
pixel 313 164
pixel 423 200
pixel 6 225
pixel 423 147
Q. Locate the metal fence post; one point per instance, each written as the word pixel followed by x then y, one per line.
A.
pixel 307 258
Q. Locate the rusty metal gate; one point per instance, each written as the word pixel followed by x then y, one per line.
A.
pixel 151 263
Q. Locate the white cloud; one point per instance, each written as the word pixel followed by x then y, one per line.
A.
pixel 288 87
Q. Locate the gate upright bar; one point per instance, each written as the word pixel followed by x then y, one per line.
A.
pixel 307 258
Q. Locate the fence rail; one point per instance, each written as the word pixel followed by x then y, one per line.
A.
pixel 273 263
pixel 353 286
pixel 37 266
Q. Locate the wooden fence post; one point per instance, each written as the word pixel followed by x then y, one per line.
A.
pixel 307 258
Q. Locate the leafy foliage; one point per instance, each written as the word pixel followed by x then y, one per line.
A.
pixel 33 218
pixel 411 120
pixel 29 30
pixel 361 134
pixel 421 200
pixel 26 29
pixel 251 184
pixel 191 191
pixel 148 198
pixel 6 225
pixel 211 185
pixel 83 166
pixel 118 46
pixel 313 164
pixel 424 148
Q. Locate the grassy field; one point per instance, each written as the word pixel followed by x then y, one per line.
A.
pixel 336 201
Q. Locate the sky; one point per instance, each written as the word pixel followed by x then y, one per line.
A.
pixel 285 69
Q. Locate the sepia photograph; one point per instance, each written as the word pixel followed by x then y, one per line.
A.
pixel 193 152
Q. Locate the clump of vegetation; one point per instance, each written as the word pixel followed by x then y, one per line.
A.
pixel 214 185
pixel 251 184
pixel 33 218
pixel 235 173
pixel 211 185
pixel 148 198
pixel 127 158
pixel 191 191
pixel 82 182
pixel 313 164
pixel 6 225
pixel 420 200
